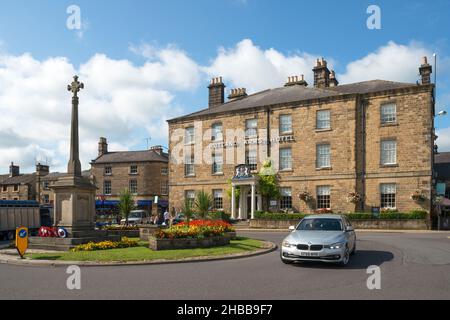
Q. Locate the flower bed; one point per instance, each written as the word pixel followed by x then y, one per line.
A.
pixel 105 245
pixel 196 229
pixel 196 234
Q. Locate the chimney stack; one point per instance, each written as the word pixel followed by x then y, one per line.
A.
pixel 333 81
pixel 425 71
pixel 216 92
pixel 102 147
pixel 42 170
pixel 296 80
pixel 14 170
pixel 239 93
pixel 321 74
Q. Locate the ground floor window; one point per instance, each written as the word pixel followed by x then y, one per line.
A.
pixel 388 192
pixel 190 197
pixel 286 198
pixel 218 199
pixel 324 197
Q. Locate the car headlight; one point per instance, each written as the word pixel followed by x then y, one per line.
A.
pixel 335 246
pixel 287 244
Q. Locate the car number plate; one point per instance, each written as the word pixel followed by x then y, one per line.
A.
pixel 309 254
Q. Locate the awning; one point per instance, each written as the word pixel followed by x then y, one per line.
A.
pixel 110 203
pixel 144 203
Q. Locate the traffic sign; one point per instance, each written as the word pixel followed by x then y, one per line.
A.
pixel 22 240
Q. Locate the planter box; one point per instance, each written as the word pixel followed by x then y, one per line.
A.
pixel 410 224
pixel 124 233
pixel 146 230
pixel 172 244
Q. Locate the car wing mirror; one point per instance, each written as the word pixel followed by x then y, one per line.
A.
pixel 349 229
pixel 291 228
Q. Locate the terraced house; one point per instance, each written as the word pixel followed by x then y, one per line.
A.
pixel 144 173
pixel 354 147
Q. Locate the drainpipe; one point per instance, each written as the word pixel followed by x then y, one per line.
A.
pixel 362 105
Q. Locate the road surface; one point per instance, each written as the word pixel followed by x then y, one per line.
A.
pixel 413 266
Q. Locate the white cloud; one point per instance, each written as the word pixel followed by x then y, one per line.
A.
pixel 443 140
pixel 127 102
pixel 120 101
pixel 391 62
pixel 247 65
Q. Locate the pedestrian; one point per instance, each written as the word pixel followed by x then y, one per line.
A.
pixel 166 217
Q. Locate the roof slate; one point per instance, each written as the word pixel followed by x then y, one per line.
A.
pixel 297 94
pixel 132 156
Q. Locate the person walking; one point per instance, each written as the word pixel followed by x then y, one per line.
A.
pixel 166 217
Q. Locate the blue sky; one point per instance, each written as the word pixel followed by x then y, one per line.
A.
pixel 124 36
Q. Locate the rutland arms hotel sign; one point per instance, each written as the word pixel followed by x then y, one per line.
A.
pixel 255 141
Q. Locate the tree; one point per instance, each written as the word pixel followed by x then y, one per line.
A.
pixel 126 204
pixel 268 183
pixel 203 203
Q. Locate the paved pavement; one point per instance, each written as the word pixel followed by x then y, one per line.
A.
pixel 413 266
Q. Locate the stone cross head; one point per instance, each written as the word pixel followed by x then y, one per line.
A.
pixel 75 87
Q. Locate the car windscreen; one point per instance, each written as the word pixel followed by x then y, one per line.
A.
pixel 320 224
pixel 136 214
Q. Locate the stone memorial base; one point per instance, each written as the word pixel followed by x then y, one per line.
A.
pixel 65 244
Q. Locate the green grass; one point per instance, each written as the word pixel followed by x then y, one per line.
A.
pixel 143 253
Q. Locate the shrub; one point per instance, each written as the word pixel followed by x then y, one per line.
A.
pixel 105 245
pixel 279 216
pixel 414 215
pixel 219 216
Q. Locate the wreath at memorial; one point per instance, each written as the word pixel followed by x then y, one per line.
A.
pixel 52 232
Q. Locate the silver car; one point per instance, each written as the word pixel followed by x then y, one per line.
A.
pixel 324 238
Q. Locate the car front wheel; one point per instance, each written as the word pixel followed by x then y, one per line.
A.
pixel 346 257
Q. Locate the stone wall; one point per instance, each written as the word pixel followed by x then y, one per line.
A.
pixel 357 224
pixel 349 160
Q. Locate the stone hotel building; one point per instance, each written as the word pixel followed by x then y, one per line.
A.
pixel 355 147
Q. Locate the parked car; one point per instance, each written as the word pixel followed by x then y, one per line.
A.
pixel 324 238
pixel 137 217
